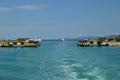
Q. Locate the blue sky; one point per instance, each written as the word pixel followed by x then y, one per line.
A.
pixel 59 18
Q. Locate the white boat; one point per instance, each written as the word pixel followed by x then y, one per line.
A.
pixel 62 39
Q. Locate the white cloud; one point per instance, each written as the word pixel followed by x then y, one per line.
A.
pixel 32 7
pixel 2 9
pixel 26 7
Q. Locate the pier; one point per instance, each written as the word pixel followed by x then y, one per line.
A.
pixel 20 43
pixel 97 43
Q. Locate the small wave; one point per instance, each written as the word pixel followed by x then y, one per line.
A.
pixel 96 73
pixel 84 79
pixel 77 65
pixel 80 72
pixel 68 59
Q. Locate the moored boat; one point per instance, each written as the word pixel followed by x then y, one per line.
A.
pixel 83 43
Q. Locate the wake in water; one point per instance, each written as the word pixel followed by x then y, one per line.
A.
pixel 76 71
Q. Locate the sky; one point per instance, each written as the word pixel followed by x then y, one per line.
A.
pixel 49 19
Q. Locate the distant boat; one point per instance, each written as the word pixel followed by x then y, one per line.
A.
pixel 62 39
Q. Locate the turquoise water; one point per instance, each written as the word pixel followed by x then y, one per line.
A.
pixel 60 61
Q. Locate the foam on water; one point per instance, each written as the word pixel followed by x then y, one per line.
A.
pixel 77 71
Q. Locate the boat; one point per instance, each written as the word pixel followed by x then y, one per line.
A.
pixel 6 44
pixel 36 41
pixel 83 43
pixel 94 43
pixel 104 43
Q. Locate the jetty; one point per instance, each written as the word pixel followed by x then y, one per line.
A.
pixel 86 43
pixel 29 42
pixel 100 41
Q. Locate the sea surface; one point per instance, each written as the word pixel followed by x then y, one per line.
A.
pixel 57 60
